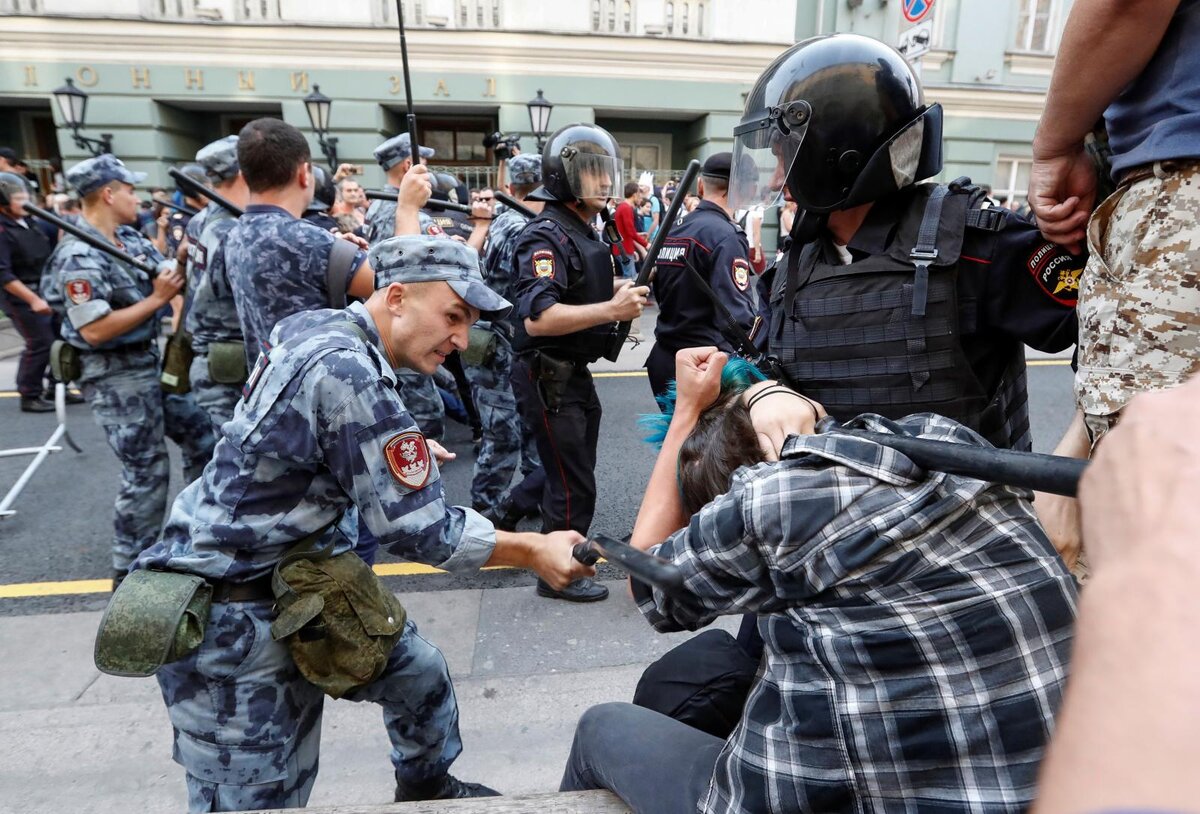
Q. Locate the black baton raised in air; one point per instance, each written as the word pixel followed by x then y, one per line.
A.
pixel 640 565
pixel 432 203
pixel 197 188
pixel 513 203
pixel 621 333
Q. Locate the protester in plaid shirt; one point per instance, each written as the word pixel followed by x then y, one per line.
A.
pixel 917 624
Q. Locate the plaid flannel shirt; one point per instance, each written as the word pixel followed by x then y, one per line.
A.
pixel 917 629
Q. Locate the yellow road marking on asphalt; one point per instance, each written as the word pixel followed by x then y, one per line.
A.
pixel 1047 362
pixel 619 374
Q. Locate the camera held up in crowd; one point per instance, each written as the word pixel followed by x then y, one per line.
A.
pixel 502 144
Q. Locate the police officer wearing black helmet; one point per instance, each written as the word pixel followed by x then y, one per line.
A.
pixel 568 301
pixel 894 297
pixel 705 256
pixel 324 194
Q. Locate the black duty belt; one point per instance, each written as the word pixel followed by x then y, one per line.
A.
pixel 133 347
pixel 255 590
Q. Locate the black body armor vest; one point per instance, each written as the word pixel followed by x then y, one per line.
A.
pixel 30 249
pixel 895 333
pixel 590 282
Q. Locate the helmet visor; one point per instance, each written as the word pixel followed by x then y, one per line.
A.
pixel 764 155
pixel 593 177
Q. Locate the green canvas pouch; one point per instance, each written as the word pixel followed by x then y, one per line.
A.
pixel 338 620
pixel 64 361
pixel 481 347
pixel 227 362
pixel 152 619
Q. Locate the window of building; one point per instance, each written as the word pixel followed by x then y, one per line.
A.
pixel 685 19
pixel 259 9
pixel 479 13
pixel 700 20
pixel 627 20
pixel 495 13
pixel 639 158
pixel 1011 185
pixel 595 15
pixel 612 15
pixel 462 13
pixel 456 142
pixel 1036 24
pixel 670 17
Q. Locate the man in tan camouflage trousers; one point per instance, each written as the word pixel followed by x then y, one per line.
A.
pixel 1139 298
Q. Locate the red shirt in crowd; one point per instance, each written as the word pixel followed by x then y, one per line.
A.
pixel 627 226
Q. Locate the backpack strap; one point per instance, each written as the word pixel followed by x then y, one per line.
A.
pixel 925 250
pixel 337 273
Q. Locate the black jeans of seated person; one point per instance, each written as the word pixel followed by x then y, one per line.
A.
pixel 655 764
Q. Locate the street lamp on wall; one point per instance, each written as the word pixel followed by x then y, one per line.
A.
pixel 318 104
pixel 539 118
pixel 72 106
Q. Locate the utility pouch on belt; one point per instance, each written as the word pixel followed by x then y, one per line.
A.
pixel 553 375
pixel 227 362
pixel 177 361
pixel 64 361
pixel 481 347
pixel 153 618
pixel 339 622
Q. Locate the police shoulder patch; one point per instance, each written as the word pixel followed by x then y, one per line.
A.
pixel 1056 272
pixel 434 230
pixel 79 291
pixel 543 263
pixel 741 274
pixel 407 457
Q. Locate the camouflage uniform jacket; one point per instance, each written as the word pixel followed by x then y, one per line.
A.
pixel 320 429
pixel 86 285
pixel 276 265
pixel 212 315
pixel 381 219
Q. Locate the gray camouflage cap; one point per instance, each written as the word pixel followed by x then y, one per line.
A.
pixel 525 169
pixel 395 150
pixel 92 173
pixel 420 259
pixel 219 159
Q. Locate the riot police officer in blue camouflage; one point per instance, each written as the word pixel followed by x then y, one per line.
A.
pixel 219 362
pixel 418 391
pixel 111 322
pixel 177 221
pixel 322 414
pixel 505 444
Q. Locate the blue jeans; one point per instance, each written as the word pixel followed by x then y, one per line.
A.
pixel 655 764
pixel 628 266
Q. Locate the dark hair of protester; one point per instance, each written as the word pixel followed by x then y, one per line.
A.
pixel 722 441
pixel 630 188
pixel 269 153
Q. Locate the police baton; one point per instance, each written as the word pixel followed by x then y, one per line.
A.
pixel 432 203
pixel 198 189
pixel 513 203
pixel 640 565
pixel 621 333
pixel 98 243
pixel 413 147
pixel 187 210
pixel 1056 474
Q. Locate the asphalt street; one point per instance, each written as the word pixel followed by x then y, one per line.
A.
pixel 64 517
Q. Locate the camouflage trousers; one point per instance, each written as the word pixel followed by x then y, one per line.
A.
pixel 248 726
pixel 128 403
pixel 505 444
pixel 1139 297
pixel 217 400
pixel 421 399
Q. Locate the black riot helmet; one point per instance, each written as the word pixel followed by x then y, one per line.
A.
pixel 841 120
pixel 580 162
pixel 13 187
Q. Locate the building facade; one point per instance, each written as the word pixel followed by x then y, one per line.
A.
pixel 666 77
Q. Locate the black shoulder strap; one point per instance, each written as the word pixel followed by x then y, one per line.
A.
pixel 989 220
pixel 925 250
pixel 337 273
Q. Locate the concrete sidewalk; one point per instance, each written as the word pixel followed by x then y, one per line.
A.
pixel 524 668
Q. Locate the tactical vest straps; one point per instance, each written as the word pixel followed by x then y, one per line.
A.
pixel 925 250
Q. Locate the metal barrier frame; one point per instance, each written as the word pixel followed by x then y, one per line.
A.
pixel 39 453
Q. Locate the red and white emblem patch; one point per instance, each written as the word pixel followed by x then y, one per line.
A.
pixel 434 230
pixel 79 291
pixel 543 263
pixel 407 457
pixel 741 274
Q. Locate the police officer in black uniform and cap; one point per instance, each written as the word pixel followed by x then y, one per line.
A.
pixel 177 221
pixel 706 249
pixel 568 299
pixel 894 297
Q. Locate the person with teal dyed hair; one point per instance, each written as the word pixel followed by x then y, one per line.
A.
pixel 916 625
